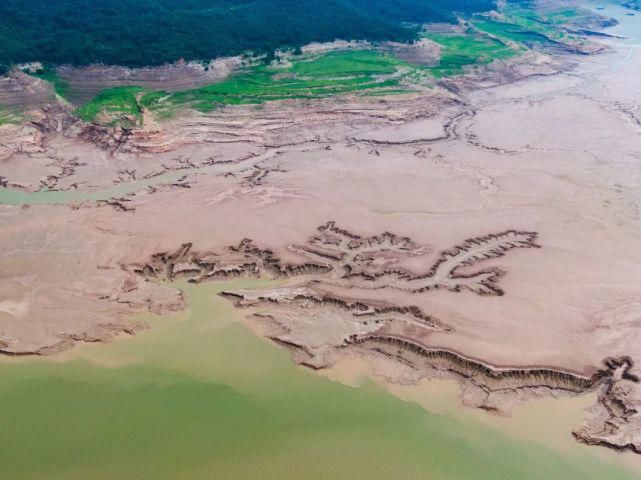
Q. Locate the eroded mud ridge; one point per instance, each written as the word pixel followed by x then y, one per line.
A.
pixel 616 418
pixel 334 263
pixel 486 376
pixel 340 258
pixel 327 308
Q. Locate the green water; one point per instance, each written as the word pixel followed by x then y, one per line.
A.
pixel 201 397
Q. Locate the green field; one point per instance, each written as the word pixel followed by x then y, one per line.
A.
pixel 466 49
pixel 310 76
pixel 511 32
pixel 119 105
pixel 7 117
pixel 546 17
pixel 49 74
pixel 305 77
pixel 533 27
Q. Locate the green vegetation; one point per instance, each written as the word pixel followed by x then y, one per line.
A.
pixel 367 71
pixel 355 63
pixel 533 26
pixel 146 32
pixel 49 74
pixel 113 106
pixel 562 16
pixel 307 77
pixel 7 117
pixel 303 77
pixel 511 32
pixel 461 50
pixel 546 14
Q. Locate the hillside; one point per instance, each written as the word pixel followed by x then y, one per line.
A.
pixel 152 32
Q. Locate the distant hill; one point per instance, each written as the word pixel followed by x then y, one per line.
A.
pixel 149 32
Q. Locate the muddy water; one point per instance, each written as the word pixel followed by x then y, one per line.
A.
pixel 10 196
pixel 198 396
pixel 546 421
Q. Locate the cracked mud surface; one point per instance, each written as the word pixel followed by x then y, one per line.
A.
pixel 498 159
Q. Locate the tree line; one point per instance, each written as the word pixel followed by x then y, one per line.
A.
pixel 151 32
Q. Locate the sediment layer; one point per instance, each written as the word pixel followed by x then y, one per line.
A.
pixel 486 376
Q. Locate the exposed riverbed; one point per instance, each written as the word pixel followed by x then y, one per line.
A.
pixel 199 395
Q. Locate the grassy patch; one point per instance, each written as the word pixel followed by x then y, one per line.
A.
pixel 310 76
pixel 307 77
pixel 7 117
pixel 59 85
pixel 512 32
pixel 114 106
pixel 356 63
pixel 534 27
pixel 546 19
pixel 461 50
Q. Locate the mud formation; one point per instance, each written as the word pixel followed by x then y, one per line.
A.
pixel 616 421
pixel 329 312
pixel 343 259
pixel 616 417
pixel 335 263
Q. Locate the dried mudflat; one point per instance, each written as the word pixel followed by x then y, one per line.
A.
pixel 513 263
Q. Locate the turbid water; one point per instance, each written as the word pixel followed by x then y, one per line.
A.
pixel 199 396
pixel 11 196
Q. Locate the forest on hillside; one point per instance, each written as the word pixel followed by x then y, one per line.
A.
pixel 150 32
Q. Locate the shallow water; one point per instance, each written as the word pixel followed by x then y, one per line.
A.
pixel 199 396
pixel 629 25
pixel 10 196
